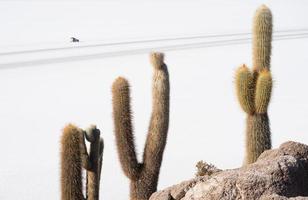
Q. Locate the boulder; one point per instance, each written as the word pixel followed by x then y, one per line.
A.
pixel 278 174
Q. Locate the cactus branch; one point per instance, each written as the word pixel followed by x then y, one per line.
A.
pixel 123 128
pixel 244 84
pixel 93 174
pixel 100 161
pixel 85 158
pixel 262 38
pixel 71 164
pixel 263 91
pixel 158 129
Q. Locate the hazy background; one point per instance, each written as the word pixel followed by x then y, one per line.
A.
pixel 206 122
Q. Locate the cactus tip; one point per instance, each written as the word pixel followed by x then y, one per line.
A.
pixel 263 6
pixel 120 82
pixel 69 128
pixel 91 133
pixel 242 68
pixel 157 59
pixel 264 10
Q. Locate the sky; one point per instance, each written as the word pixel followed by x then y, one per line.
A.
pixel 206 123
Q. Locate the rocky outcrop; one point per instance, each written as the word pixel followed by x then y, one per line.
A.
pixel 278 174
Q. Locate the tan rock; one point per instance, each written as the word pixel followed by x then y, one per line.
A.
pixel 278 174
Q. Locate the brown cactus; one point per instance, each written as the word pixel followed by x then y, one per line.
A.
pixel 71 169
pixel 143 176
pixel 74 156
pixel 93 162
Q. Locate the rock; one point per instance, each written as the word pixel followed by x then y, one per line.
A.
pixel 278 197
pixel 279 174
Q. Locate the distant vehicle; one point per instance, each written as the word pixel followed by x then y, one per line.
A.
pixel 74 39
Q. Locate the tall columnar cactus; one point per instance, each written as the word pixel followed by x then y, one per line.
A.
pixel 74 157
pixel 144 175
pixel 71 170
pixel 254 87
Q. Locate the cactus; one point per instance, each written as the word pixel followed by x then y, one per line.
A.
pixel 254 87
pixel 74 157
pixel 92 163
pixel 143 176
pixel 71 169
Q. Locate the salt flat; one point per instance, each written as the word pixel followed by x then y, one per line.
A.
pixel 206 121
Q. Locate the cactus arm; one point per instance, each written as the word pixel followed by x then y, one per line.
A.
pixel 71 164
pixel 158 128
pixel 100 161
pixel 101 147
pixel 93 174
pixel 94 135
pixel 85 158
pixel 244 84
pixel 262 37
pixel 123 128
pixel 263 91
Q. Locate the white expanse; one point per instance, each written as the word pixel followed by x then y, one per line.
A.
pixel 206 122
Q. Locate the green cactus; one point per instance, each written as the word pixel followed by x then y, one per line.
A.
pixel 262 38
pixel 254 87
pixel 144 175
pixel 74 157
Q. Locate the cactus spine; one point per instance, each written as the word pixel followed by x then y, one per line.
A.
pixel 143 176
pixel 254 87
pixel 74 157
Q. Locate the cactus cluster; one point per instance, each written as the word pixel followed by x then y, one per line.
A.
pixel 254 87
pixel 143 175
pixel 75 158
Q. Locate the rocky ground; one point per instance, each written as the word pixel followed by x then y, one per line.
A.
pixel 278 174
